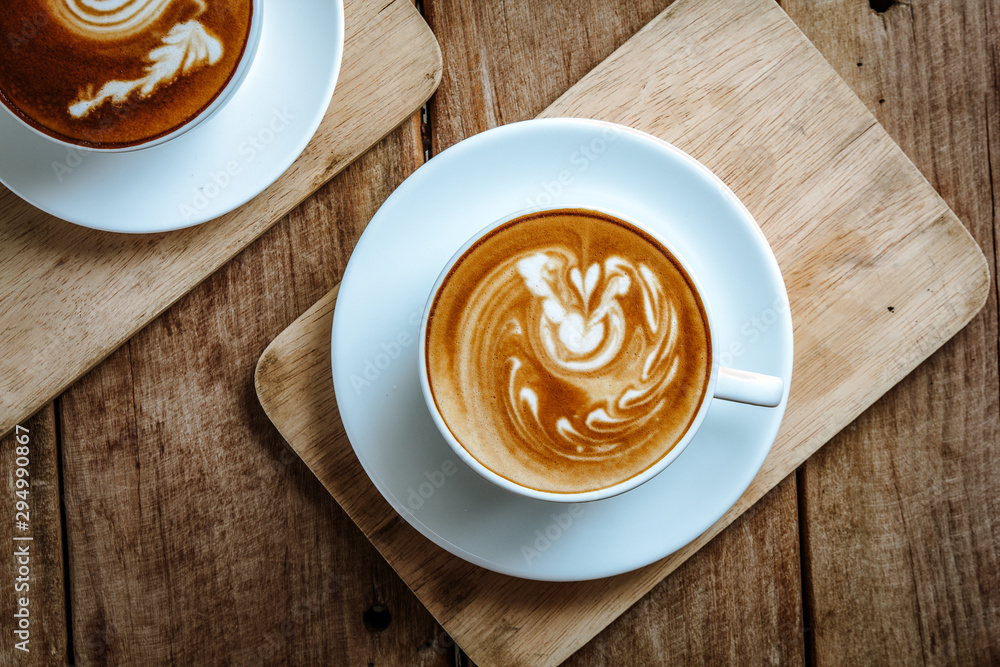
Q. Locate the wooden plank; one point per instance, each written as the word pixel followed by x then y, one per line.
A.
pixel 735 602
pixel 903 555
pixel 854 226
pixel 294 386
pixel 42 586
pixel 197 536
pixel 507 62
pixel 72 295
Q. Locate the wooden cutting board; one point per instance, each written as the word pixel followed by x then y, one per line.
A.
pixel 69 296
pixel 880 273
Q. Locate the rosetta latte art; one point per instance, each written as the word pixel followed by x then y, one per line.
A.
pixel 574 344
pixel 567 350
pixel 187 46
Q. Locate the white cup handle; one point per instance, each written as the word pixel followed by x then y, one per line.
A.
pixel 747 387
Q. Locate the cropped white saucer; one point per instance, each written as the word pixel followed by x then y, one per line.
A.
pixel 578 163
pixel 210 170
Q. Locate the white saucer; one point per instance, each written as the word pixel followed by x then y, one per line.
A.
pixel 216 167
pixel 561 162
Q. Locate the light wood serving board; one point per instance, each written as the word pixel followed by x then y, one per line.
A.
pixel 880 273
pixel 69 296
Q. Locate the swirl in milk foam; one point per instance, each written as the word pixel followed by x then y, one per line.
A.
pixel 186 47
pixel 108 19
pixel 582 354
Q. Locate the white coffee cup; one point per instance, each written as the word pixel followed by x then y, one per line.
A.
pixel 220 100
pixel 724 383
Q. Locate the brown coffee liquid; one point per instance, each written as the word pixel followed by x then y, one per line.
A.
pixel 122 77
pixel 568 351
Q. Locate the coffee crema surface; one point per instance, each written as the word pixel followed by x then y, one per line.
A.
pixel 117 73
pixel 567 351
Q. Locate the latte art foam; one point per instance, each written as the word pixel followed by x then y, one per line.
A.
pixel 118 73
pixel 107 19
pixel 576 330
pixel 567 352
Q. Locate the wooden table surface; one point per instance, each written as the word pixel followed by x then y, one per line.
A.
pixel 172 525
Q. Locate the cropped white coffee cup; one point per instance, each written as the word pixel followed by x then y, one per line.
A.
pixel 727 384
pixel 246 61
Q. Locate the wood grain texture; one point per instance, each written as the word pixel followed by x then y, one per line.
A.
pixel 735 602
pixel 854 226
pixel 196 536
pixel 497 619
pixel 504 62
pixel 71 295
pixel 903 564
pixel 45 590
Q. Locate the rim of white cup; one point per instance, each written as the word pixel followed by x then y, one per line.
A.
pixel 227 92
pixel 573 496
